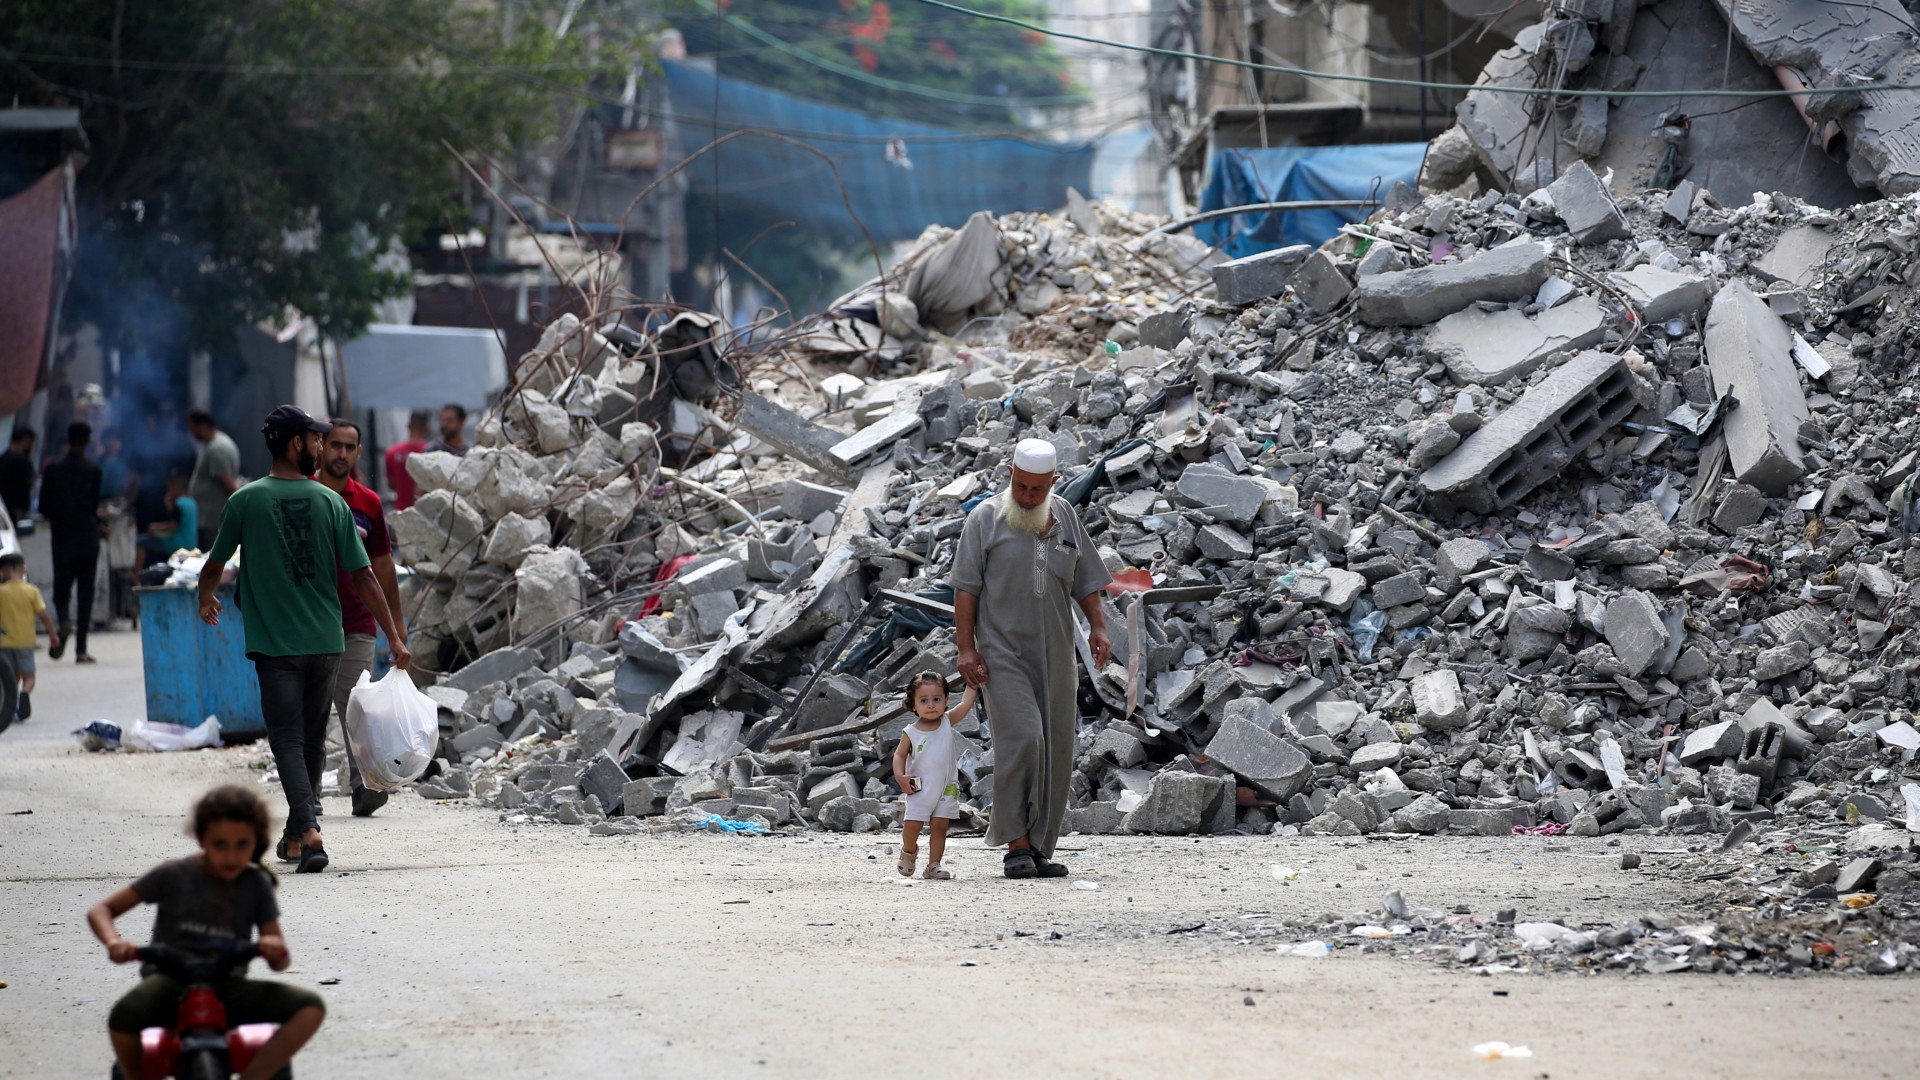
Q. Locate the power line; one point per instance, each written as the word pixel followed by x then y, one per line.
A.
pixel 1416 84
pixel 952 96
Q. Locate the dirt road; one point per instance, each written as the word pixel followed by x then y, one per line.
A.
pixel 450 945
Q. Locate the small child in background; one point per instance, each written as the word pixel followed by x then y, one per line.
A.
pixel 20 604
pixel 208 903
pixel 927 764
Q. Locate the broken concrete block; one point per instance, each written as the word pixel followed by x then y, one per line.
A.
pixel 1795 257
pixel 1512 271
pixel 1343 588
pixel 1537 437
pixel 513 537
pixel 1858 876
pixel 1491 347
pixel 1660 295
pixel 1425 815
pixel 1267 763
pixel 1258 276
pixel 1776 662
pixel 1376 756
pixel 1320 283
pixel 1743 505
pixel 1678 204
pixel 1635 630
pixel 1726 784
pixel 1437 701
pixel 1221 544
pixel 604 780
pixel 1480 822
pixel 711 575
pixel 1399 590
pixel 804 502
pixel 1459 557
pixel 839 785
pixel 1715 742
pixel 1381 258
pixel 1232 498
pixel 1177 803
pixel 647 796
pixel 496 666
pixel 1583 204
pixel 1750 353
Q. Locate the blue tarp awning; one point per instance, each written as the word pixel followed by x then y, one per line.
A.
pixel 1240 177
pixel 953 173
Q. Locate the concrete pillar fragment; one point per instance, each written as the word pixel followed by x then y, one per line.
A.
pixel 1750 354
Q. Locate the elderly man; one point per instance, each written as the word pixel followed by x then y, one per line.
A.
pixel 1024 562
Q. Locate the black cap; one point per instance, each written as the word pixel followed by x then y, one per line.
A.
pixel 292 418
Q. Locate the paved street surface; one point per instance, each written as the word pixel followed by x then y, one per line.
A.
pixel 449 945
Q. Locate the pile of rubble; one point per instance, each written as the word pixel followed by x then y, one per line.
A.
pixel 1556 513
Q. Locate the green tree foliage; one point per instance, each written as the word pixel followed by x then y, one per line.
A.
pixel 246 156
pixel 956 56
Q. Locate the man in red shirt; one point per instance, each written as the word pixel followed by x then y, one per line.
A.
pixel 339 459
pixel 398 478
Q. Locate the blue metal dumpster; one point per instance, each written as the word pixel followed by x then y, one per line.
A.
pixel 194 670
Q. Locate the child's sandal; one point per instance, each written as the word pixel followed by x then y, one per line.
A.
pixel 935 873
pixel 907 861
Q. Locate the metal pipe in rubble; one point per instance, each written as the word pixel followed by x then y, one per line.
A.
pixel 1266 207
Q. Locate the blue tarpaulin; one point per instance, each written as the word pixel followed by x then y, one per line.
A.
pixel 953 173
pixel 1286 173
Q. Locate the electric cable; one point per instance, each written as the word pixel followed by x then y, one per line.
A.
pixel 1417 84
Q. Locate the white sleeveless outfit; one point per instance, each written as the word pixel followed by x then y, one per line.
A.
pixel 934 757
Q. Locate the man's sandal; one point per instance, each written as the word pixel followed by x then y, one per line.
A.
pixel 1019 863
pixel 907 860
pixel 935 873
pixel 1045 867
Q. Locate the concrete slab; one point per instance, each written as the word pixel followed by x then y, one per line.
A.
pixel 1513 271
pixel 1491 347
pixel 1749 351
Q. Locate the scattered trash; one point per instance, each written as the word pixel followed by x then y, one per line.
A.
pixel 159 738
pixel 1499 1051
pixel 99 736
pixel 1087 885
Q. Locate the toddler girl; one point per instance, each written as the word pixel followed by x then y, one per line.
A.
pixel 927 765
pixel 208 903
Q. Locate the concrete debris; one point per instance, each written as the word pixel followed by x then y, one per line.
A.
pixel 1468 546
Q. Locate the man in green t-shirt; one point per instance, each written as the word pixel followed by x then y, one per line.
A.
pixel 295 535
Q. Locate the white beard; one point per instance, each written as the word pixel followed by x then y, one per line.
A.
pixel 1022 520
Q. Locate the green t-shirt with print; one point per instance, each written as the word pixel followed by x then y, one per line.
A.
pixel 293 537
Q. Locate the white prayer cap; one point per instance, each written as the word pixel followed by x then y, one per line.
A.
pixel 1035 456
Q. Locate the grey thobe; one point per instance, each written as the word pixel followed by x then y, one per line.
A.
pixel 1027 587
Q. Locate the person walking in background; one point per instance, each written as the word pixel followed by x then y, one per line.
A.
pixel 216 472
pixel 339 461
pixel 398 478
pixel 453 431
pixel 20 606
pixel 17 472
pixel 295 536
pixel 70 501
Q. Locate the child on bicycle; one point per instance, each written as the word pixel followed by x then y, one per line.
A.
pixel 209 903
pixel 927 765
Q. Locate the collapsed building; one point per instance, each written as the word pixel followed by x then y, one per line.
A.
pixel 1539 509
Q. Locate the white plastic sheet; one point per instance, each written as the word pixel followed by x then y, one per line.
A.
pixel 393 729
pixel 161 738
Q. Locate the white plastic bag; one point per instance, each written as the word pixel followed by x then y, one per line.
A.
pixel 161 738
pixel 393 728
